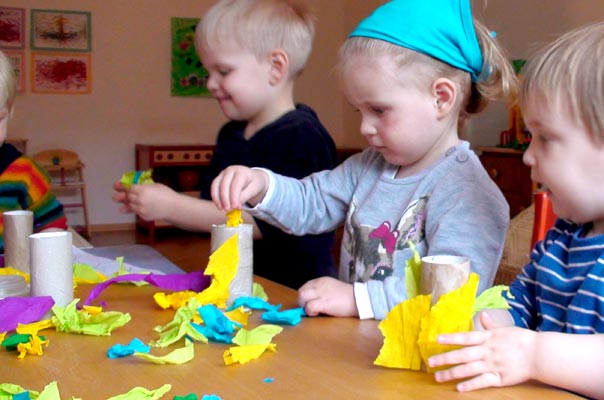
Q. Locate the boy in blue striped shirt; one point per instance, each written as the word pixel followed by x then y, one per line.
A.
pixel 558 298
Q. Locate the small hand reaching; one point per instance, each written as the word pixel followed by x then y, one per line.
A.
pixel 149 201
pixel 237 185
pixel 495 356
pixel 328 296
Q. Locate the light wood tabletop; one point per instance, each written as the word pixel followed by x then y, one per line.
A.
pixel 321 358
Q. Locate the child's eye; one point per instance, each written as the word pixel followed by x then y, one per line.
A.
pixel 224 72
pixel 378 110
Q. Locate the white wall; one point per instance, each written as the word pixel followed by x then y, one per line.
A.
pixel 131 102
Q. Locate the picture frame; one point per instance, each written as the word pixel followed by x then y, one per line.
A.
pixel 189 77
pixel 12 28
pixel 18 59
pixel 60 30
pixel 67 73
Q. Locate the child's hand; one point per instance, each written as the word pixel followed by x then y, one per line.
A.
pixel 238 185
pixel 149 202
pixel 496 356
pixel 328 296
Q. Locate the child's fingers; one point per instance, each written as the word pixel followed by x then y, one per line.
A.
pixel 463 338
pixel 460 356
pixel 485 380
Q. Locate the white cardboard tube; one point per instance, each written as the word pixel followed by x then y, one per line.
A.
pixel 52 266
pixel 18 225
pixel 241 285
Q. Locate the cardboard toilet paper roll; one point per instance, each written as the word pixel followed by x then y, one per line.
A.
pixel 51 262
pixel 241 285
pixel 18 225
pixel 442 274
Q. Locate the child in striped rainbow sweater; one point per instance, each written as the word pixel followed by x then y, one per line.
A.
pixel 23 184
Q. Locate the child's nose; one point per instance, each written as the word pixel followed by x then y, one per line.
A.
pixel 528 158
pixel 367 129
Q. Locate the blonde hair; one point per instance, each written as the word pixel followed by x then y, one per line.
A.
pixel 496 81
pixel 8 82
pixel 260 26
pixel 571 68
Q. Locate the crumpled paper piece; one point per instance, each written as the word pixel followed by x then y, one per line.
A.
pixel 16 310
pixel 136 178
pixel 180 326
pixel 222 267
pixel 234 218
pixel 120 350
pixel 252 344
pixel 413 273
pixel 86 274
pixel 140 393
pixel 173 300
pixel 175 357
pixel 292 316
pixel 69 319
pixel 255 303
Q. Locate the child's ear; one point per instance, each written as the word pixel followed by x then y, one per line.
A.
pixel 445 95
pixel 279 65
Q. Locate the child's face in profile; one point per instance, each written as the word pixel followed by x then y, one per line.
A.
pixel 398 118
pixel 564 157
pixel 238 80
pixel 4 116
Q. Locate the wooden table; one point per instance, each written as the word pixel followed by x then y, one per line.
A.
pixel 321 358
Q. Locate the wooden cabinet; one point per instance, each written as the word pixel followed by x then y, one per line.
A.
pixel 506 168
pixel 177 166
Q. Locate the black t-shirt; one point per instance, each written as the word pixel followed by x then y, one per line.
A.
pixel 294 145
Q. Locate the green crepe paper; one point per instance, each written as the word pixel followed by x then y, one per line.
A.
pixel 123 271
pixel 180 326
pixel 190 396
pixel 178 356
pixel 8 390
pixel 128 179
pixel 413 273
pixel 262 334
pixel 258 291
pixel 174 334
pixel 491 298
pixel 86 272
pixel 140 393
pixel 68 319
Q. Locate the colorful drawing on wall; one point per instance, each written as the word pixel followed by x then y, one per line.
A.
pixel 60 30
pixel 12 28
pixel 61 73
pixel 189 77
pixel 18 59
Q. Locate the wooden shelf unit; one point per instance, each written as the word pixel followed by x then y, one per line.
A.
pixel 179 166
pixel 506 168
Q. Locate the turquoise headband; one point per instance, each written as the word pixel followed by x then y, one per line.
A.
pixel 441 29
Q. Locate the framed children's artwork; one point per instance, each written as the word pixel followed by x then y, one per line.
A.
pixel 60 30
pixel 189 77
pixel 18 59
pixel 12 28
pixel 67 73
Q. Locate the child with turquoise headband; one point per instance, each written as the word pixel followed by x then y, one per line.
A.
pixel 414 70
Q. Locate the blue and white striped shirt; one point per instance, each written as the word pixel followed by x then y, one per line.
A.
pixel 562 288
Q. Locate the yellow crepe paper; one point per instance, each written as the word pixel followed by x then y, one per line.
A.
pixel 452 313
pixel 33 347
pixel 222 266
pixel 34 327
pixel 234 218
pixel 173 300
pixel 245 354
pixel 238 315
pixel 401 329
pixel 12 271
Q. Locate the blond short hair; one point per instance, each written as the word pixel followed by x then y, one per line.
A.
pixel 8 82
pixel 260 26
pixel 571 69
pixel 496 81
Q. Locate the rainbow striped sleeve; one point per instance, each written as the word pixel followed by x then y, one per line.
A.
pixel 25 186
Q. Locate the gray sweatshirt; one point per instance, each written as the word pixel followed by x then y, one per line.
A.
pixel 451 208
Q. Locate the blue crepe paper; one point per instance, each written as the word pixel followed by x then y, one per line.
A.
pixel 292 316
pixel 255 303
pixel 120 350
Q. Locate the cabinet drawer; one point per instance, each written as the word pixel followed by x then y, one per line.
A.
pixel 181 156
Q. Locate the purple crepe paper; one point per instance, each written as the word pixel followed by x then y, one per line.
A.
pixel 23 310
pixel 195 281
